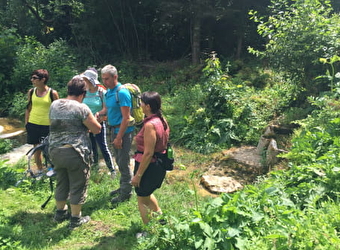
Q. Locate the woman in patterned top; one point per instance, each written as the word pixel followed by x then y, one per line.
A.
pixel 70 151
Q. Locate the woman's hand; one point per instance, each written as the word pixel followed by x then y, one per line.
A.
pixel 100 118
pixel 135 181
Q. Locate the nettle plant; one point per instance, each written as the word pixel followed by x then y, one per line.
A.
pixel 314 154
pixel 331 75
pixel 211 126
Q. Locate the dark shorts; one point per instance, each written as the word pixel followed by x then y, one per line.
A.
pixel 35 133
pixel 151 180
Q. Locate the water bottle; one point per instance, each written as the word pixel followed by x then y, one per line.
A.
pixel 170 152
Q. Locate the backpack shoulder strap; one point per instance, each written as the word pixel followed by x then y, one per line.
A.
pixel 119 88
pixel 101 94
pixel 51 94
pixel 31 92
pixel 30 98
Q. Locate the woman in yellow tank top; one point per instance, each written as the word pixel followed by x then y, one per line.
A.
pixel 36 116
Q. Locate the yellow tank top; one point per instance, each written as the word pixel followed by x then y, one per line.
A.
pixel 40 108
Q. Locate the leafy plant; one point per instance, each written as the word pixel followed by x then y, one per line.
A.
pixel 8 175
pixel 294 41
pixel 224 111
pixel 5 145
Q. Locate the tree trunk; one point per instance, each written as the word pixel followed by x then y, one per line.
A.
pixel 239 47
pixel 196 40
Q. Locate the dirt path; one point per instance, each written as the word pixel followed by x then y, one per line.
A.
pixel 16 154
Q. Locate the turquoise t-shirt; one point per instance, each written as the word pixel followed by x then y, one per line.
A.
pixel 114 114
pixel 95 100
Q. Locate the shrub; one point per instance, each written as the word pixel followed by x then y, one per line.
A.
pixel 222 111
pixel 5 145
pixel 57 58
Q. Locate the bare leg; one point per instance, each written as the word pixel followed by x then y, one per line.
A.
pixel 37 158
pixel 145 204
pixel 61 205
pixel 76 210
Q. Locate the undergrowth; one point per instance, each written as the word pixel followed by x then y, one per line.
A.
pixel 293 209
pixel 221 111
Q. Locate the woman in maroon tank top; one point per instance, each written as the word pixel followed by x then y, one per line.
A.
pixel 153 137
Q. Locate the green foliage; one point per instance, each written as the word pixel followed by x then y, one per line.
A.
pixel 223 111
pixel 57 58
pixel 331 75
pixel 9 42
pixel 8 175
pixel 7 243
pixel 297 207
pixel 5 145
pixel 18 107
pixel 298 33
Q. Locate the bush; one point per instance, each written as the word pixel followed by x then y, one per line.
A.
pixel 57 58
pixel 221 111
pixel 18 107
pixel 5 145
pixel 294 41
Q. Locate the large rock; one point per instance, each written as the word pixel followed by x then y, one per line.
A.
pixel 220 184
pixel 247 155
pixel 16 154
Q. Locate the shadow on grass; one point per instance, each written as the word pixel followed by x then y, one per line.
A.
pixel 34 230
pixel 121 240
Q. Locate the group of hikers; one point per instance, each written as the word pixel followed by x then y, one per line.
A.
pixel 75 125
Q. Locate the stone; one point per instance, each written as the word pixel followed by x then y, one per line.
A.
pixel 220 184
pixel 272 152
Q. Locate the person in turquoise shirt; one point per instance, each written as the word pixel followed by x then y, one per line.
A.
pixel 95 100
pixel 118 115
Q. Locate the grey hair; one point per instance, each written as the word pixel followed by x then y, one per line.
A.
pixel 109 69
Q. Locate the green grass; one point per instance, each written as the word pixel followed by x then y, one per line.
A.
pixel 24 225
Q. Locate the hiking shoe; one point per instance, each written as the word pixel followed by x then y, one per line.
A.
pixel 78 221
pixel 113 174
pixel 141 235
pixel 115 192
pixel 51 173
pixel 61 215
pixel 119 199
pixel 162 222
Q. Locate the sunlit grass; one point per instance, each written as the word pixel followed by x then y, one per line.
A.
pixel 23 222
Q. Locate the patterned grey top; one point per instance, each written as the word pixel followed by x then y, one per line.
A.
pixel 67 127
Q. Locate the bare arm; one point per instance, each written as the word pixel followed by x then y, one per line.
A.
pixel 118 141
pixel 92 124
pixel 100 115
pixel 29 106
pixel 55 95
pixel 149 149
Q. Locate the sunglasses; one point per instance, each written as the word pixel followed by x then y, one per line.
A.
pixel 35 77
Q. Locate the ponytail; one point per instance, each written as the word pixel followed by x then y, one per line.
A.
pixel 159 114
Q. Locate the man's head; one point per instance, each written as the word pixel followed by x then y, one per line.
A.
pixel 109 76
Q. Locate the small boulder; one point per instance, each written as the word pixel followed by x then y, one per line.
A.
pixel 220 184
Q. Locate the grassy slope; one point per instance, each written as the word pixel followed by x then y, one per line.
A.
pixel 23 221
